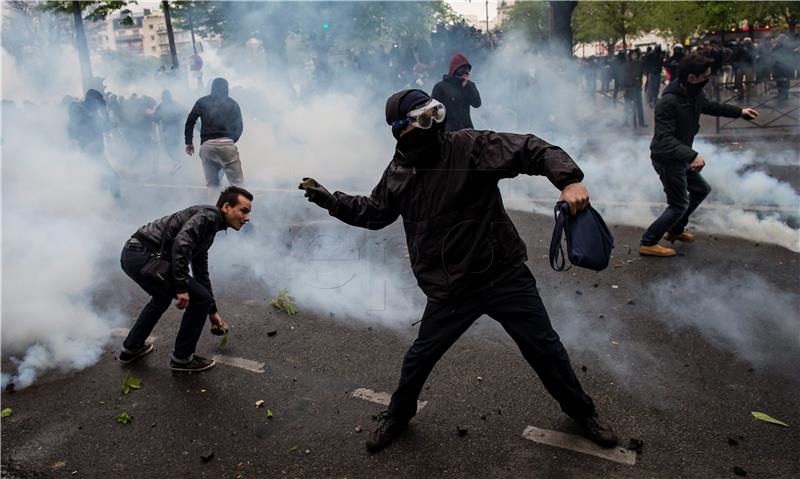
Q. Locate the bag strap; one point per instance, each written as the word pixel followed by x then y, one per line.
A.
pixel 164 239
pixel 560 212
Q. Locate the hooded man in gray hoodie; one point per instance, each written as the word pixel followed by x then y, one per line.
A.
pixel 221 127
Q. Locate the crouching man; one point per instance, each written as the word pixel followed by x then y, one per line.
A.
pixel 184 239
pixel 465 252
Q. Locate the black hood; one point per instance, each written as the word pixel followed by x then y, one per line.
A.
pixel 219 87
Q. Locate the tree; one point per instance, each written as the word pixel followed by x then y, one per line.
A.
pixel 170 35
pixel 611 22
pixel 561 27
pixel 96 10
pixel 530 18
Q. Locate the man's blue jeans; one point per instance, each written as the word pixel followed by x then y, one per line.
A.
pixel 685 190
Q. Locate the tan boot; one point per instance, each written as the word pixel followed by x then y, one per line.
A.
pixel 685 236
pixel 656 250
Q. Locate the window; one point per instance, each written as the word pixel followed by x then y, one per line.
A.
pixel 153 48
pixel 151 26
pixel 152 37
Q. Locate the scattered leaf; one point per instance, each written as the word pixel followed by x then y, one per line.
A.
pixel 129 383
pixel 294 448
pixel 123 418
pixel 269 414
pixel 224 341
pixel 6 412
pixel 284 302
pixel 766 418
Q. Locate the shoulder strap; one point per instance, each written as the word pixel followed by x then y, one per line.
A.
pixel 557 257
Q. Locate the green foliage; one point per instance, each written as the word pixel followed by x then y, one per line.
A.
pixel 124 418
pixel 611 22
pixel 6 412
pixel 531 18
pixel 224 341
pixel 284 302
pixel 130 383
pixel 95 10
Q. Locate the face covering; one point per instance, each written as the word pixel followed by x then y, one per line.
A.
pixel 420 146
pixel 694 89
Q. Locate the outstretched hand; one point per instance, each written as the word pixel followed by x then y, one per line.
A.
pixel 749 113
pixel 316 193
pixel 577 197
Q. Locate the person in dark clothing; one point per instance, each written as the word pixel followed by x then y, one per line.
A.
pixel 617 72
pixel 88 120
pixel 465 252
pixel 169 117
pixel 457 93
pixel 674 60
pixel 221 127
pixel 184 239
pixel 632 83
pixel 652 69
pixel 677 118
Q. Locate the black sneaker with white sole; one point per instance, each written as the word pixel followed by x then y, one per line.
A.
pixel 127 357
pixel 196 364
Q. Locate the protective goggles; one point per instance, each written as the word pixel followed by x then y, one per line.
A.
pixel 423 116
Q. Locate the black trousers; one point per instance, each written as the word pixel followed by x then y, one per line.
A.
pixel 516 304
pixel 685 190
pixel 134 256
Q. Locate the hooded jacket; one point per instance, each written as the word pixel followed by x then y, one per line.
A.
pixel 458 233
pixel 455 97
pixel 677 121
pixel 219 114
pixel 187 234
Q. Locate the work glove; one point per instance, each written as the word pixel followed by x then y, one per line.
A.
pixel 317 193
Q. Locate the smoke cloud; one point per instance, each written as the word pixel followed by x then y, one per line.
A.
pixel 62 231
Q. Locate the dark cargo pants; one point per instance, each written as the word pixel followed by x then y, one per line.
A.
pixel 516 304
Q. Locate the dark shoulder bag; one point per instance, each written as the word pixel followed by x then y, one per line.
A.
pixel 158 269
pixel 589 242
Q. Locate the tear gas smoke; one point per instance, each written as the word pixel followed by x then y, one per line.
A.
pixel 62 230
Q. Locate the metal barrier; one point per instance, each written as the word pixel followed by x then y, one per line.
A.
pixel 774 112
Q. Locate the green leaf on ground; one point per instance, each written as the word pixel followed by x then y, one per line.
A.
pixel 294 448
pixel 129 383
pixel 766 418
pixel 224 341
pixel 6 412
pixel 123 418
pixel 269 414
pixel 284 302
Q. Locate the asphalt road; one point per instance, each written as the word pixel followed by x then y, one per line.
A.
pixel 672 360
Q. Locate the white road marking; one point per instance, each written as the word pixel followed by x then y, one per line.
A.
pixel 248 364
pixel 380 398
pixel 579 444
pixel 123 333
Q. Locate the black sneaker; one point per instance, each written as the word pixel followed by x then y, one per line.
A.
pixel 388 429
pixel 196 364
pixel 126 357
pixel 600 433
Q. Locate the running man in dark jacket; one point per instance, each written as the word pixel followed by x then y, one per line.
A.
pixel 677 118
pixel 457 93
pixel 221 127
pixel 186 237
pixel 465 252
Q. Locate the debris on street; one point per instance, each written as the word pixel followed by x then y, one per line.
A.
pixel 767 418
pixel 284 302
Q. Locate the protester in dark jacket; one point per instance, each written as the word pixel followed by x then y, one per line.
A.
pixel 221 128
pixel 652 69
pixel 183 239
pixel 88 120
pixel 457 93
pixel 632 83
pixel 169 115
pixel 465 252
pixel 677 121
